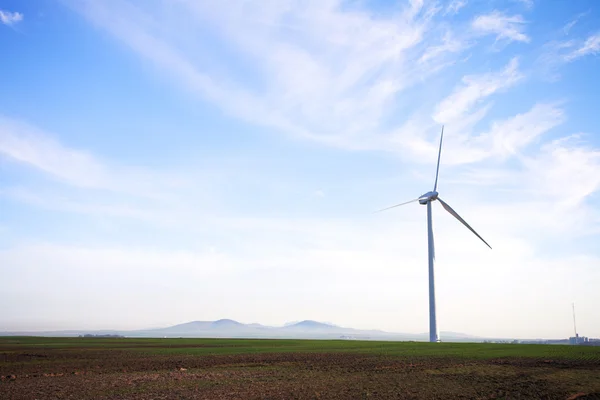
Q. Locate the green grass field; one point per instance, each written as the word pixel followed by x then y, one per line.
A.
pixel 481 351
pixel 98 368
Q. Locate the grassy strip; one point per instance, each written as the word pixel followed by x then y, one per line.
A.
pixel 479 351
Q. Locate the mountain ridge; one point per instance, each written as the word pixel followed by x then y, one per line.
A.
pixel 229 328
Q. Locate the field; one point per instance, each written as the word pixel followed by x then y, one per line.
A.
pixel 81 368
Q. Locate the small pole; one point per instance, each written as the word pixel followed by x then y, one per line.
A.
pixel 574 324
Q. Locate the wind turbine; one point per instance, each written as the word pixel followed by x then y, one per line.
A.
pixel 427 199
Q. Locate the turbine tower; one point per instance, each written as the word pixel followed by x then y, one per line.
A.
pixel 426 199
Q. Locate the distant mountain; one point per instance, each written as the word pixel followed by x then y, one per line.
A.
pixel 309 325
pixel 226 323
pixel 199 327
pixel 255 325
pixel 228 328
pixel 187 327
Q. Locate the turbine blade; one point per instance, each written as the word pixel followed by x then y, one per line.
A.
pixel 438 163
pixel 458 217
pixel 398 205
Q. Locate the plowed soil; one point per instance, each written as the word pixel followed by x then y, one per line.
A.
pixel 138 372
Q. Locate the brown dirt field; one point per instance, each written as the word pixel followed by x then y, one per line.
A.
pixel 122 374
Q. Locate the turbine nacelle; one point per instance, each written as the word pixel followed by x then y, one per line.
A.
pixel 427 197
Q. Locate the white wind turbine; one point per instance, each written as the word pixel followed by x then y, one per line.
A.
pixel 427 199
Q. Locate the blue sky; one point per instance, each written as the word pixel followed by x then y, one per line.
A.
pixel 167 161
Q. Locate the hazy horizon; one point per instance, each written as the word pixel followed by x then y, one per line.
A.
pixel 164 162
pixel 398 335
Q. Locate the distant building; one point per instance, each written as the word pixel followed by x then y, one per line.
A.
pixel 89 335
pixel 578 339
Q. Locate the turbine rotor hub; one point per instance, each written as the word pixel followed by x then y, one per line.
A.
pixel 428 197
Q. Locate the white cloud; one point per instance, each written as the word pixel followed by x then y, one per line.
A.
pixel 318 71
pixel 590 46
pixel 503 26
pixel 476 88
pixel 450 44
pixel 558 53
pixel 10 18
pixel 455 5
pixel 29 145
pixel 567 170
pixel 568 26
pixel 511 136
pixel 505 138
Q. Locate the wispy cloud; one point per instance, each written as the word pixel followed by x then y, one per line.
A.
pixel 503 26
pixel 505 137
pixel 566 170
pixel 321 71
pixel 511 136
pixel 450 44
pixel 10 18
pixel 454 6
pixel 568 26
pixel 474 89
pixel 557 53
pixel 591 46
pixel 24 143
